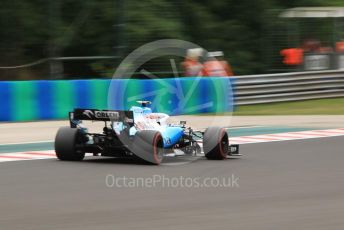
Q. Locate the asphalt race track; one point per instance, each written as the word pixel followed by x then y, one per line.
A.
pixel 282 185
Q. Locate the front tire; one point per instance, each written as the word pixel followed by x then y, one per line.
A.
pixel 215 143
pixel 68 143
pixel 148 146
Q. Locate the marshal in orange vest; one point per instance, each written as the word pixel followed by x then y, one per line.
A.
pixel 292 56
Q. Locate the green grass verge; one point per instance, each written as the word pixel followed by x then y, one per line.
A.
pixel 333 106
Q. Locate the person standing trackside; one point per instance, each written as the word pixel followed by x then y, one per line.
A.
pixel 191 65
pixel 216 66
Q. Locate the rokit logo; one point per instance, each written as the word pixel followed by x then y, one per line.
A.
pixel 88 113
pixel 106 114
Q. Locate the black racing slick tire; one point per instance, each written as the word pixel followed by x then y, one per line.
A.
pixel 148 146
pixel 215 143
pixel 68 144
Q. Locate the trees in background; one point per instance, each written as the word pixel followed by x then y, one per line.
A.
pixel 36 29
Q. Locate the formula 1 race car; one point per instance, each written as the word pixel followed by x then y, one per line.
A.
pixel 139 133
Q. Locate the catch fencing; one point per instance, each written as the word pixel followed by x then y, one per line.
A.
pixel 259 89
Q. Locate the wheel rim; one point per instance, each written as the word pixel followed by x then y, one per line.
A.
pixel 158 148
pixel 223 143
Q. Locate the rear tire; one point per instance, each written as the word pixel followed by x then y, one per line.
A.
pixel 148 146
pixel 67 144
pixel 215 143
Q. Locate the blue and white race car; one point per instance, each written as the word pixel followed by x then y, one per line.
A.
pixel 139 133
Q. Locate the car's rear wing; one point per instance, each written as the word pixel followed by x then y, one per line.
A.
pixel 103 115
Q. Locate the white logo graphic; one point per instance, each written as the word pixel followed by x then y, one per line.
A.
pixel 88 113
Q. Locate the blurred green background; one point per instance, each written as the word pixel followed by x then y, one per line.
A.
pixel 249 32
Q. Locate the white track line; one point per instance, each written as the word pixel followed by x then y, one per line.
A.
pixel 287 136
pixel 32 155
pixel 20 143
